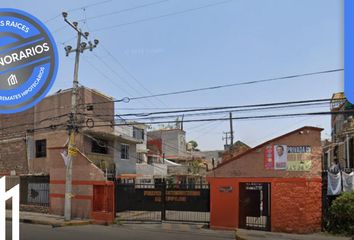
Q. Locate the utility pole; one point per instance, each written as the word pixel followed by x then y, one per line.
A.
pixel 72 126
pixel 226 138
pixel 231 130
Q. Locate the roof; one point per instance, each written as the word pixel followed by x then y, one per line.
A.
pixel 114 135
pixel 166 130
pixel 339 95
pixel 61 91
pixel 240 144
pixel 267 142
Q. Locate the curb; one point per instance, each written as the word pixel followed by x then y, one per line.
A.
pixel 238 236
pixel 50 223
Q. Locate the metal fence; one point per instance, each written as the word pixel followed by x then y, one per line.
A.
pixel 161 202
pixel 34 190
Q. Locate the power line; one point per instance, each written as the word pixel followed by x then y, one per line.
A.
pixel 239 84
pixel 238 118
pixel 312 101
pixel 123 10
pixel 33 122
pixel 102 73
pixel 130 74
pixel 89 5
pixel 164 15
pixel 228 111
pixel 220 112
pixel 127 99
pixel 79 8
pixel 118 75
pixel 158 17
pixel 52 127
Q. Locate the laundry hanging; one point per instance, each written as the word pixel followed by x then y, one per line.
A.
pixel 334 184
pixel 348 181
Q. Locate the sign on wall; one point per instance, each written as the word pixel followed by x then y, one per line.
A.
pixel 268 157
pixel 299 158
pixel 290 158
pixel 280 157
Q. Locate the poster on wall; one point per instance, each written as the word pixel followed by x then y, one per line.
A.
pixel 299 158
pixel 280 157
pixel 269 157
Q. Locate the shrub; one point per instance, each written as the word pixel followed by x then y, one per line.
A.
pixel 341 215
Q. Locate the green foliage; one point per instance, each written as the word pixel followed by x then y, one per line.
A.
pixel 194 144
pixel 341 215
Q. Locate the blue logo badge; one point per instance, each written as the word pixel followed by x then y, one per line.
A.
pixel 349 50
pixel 28 60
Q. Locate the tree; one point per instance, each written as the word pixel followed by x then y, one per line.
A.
pixel 194 145
pixel 341 214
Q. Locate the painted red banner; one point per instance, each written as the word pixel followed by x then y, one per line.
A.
pixel 269 157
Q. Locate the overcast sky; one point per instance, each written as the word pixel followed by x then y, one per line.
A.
pixel 236 41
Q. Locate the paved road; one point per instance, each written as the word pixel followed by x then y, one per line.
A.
pixel 121 232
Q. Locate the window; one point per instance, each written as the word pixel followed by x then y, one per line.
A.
pixel 99 146
pixel 41 148
pixel 124 151
pixel 138 133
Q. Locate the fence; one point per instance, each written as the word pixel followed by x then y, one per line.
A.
pixel 34 190
pixel 160 202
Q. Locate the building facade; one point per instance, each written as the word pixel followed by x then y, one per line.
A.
pixel 341 149
pixel 27 135
pixel 168 142
pixel 276 186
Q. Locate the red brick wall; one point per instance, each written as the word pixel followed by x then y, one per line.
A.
pixel 296 206
pixel 252 163
pixel 295 203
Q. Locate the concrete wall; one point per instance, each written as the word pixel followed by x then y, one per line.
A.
pixel 125 166
pixel 141 148
pixel 173 141
pixel 85 174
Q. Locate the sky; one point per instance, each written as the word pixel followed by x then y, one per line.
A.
pixel 230 42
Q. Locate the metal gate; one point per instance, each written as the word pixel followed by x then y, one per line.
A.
pixel 161 202
pixel 255 206
pixel 34 190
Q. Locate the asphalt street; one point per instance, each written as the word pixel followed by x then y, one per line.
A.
pixel 121 232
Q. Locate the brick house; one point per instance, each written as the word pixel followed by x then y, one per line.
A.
pixel 27 135
pixel 32 143
pixel 275 186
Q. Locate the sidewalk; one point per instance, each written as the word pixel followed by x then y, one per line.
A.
pixel 46 219
pixel 243 234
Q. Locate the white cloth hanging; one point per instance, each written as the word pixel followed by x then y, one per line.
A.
pixel 334 184
pixel 348 181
